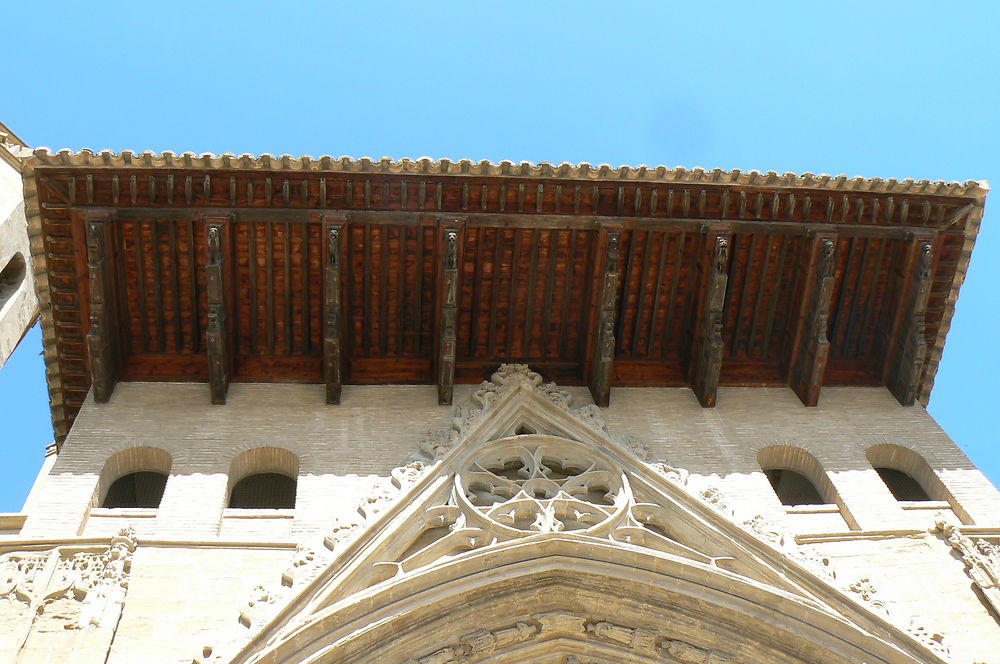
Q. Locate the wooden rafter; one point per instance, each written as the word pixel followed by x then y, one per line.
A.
pixel 606 318
pixel 528 290
pixel 907 362
pixel 810 347
pixel 102 337
pixel 216 330
pixel 450 232
pixel 707 343
pixel 332 346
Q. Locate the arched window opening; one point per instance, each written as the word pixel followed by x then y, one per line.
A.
pixel 11 277
pixel 133 477
pixel 263 491
pixel 901 485
pixel 142 489
pixel 793 488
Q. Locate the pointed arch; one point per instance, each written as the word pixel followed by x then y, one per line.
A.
pixel 565 594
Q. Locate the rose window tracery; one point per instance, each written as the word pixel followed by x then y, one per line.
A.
pixel 542 484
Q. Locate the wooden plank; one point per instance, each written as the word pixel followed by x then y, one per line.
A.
pixel 907 364
pixel 812 347
pixel 333 369
pixel 450 231
pixel 522 220
pixel 707 344
pixel 605 320
pixel 216 332
pixel 102 337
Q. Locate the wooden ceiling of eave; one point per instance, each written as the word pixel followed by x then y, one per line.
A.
pixel 527 275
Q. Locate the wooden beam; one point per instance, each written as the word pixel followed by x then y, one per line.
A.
pixel 449 243
pixel 102 337
pixel 606 320
pixel 515 220
pixel 332 360
pixel 907 362
pixel 216 331
pixel 811 348
pixel 707 346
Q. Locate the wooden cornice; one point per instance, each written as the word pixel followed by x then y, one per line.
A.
pixel 529 281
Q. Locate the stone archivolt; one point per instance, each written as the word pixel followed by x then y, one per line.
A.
pixel 643 641
pixel 493 517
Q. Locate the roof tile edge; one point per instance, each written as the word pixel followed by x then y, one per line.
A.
pixel 583 171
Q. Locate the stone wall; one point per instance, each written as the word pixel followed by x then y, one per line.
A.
pixel 198 562
pixel 18 302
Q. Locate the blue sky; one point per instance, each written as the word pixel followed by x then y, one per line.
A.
pixel 881 89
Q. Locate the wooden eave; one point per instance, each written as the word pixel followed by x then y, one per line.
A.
pixel 441 270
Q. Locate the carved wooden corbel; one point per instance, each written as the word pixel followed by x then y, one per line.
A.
pixel 332 353
pixel 102 337
pixel 911 347
pixel 811 348
pixel 707 343
pixel 606 320
pixel 217 338
pixel 450 237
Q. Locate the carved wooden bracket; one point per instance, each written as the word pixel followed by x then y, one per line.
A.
pixel 606 320
pixel 811 348
pixel 450 241
pixel 332 348
pixel 102 338
pixel 217 338
pixel 707 344
pixel 907 362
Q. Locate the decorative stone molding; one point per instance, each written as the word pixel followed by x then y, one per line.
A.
pixel 648 641
pixel 981 557
pixel 484 482
pixel 862 590
pixel 506 379
pixel 67 588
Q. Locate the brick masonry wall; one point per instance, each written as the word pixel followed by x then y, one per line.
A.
pixel 345 451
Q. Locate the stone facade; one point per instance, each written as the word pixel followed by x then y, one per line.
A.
pixel 18 301
pixel 659 540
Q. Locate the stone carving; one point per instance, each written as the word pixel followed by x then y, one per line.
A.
pixel 17 575
pixel 67 589
pixel 648 641
pixel 507 378
pixel 672 473
pixel 541 488
pixel 981 558
pixel 309 559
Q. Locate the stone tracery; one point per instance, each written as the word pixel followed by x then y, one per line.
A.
pixel 541 485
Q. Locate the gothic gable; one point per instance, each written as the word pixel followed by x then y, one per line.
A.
pixel 528 514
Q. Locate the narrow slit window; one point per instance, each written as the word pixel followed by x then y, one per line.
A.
pixel 901 485
pixel 264 491
pixel 139 490
pixel 792 488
